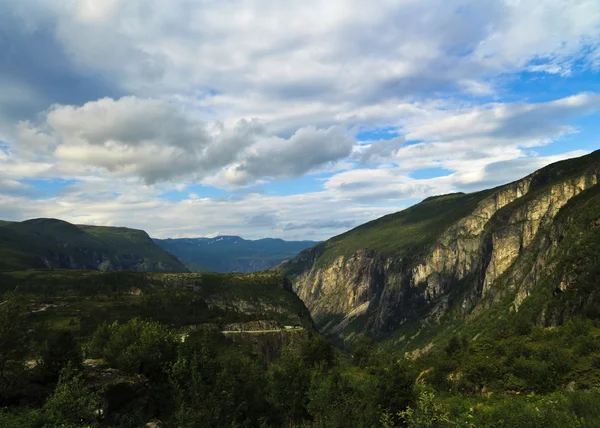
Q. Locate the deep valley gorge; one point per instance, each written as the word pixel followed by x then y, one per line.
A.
pixel 472 309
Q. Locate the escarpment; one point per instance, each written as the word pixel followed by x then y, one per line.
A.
pixel 455 254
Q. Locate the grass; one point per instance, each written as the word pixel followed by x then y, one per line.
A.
pixel 407 232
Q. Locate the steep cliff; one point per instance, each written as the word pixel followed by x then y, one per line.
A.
pixel 449 258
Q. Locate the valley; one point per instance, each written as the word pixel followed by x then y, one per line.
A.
pixel 476 309
pixel 232 253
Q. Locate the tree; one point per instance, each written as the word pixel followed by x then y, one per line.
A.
pixel 13 335
pixel 58 352
pixel 139 346
pixel 395 387
pixel 427 413
pixel 214 387
pixel 363 351
pixel 288 384
pixel 334 401
pixel 317 351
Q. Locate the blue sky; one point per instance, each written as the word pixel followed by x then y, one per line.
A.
pixel 296 120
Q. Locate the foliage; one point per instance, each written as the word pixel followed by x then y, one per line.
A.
pixel 72 404
pixel 427 413
pixel 289 382
pixel 13 341
pixel 12 330
pixel 57 353
pixel 216 387
pixel 139 346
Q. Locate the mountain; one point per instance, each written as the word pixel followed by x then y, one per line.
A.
pixel 52 243
pixel 462 262
pixel 232 253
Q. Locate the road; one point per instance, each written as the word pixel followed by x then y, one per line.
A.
pixel 261 331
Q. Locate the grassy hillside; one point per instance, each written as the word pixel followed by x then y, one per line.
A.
pixel 54 243
pixel 232 253
pixel 409 231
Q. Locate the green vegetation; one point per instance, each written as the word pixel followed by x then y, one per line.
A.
pixel 57 244
pixel 91 348
pixel 79 301
pixel 406 233
pixel 515 374
pixel 189 379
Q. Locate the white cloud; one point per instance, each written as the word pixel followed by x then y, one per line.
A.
pixel 141 97
pixel 328 59
pixel 157 141
pixel 276 157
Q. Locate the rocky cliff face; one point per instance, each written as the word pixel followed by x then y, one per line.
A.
pixel 499 249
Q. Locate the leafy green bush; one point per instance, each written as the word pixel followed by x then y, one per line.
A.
pixel 138 346
pixel 215 387
pixel 72 404
pixel 428 412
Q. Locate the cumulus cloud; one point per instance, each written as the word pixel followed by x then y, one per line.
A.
pixel 233 59
pixel 157 141
pixel 138 98
pixel 277 157
pixel 448 138
pixel 381 149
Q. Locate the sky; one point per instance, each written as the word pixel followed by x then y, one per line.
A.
pixel 295 119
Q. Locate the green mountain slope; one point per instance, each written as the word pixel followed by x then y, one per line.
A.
pixel 232 253
pixel 51 243
pixel 411 277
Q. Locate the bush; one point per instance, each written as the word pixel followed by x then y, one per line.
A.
pixel 29 418
pixel 288 385
pixel 428 412
pixel 139 346
pixel 586 345
pixel 72 403
pixel 539 375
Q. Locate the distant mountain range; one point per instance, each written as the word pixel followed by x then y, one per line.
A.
pixel 232 253
pixel 52 243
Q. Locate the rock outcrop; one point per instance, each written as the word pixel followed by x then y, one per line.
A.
pixel 264 338
pixel 477 260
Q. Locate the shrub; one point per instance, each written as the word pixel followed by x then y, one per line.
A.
pixel 138 346
pixel 72 403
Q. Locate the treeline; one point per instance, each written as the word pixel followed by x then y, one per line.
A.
pixel 195 379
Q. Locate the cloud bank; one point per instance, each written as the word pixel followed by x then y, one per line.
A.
pixel 270 119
